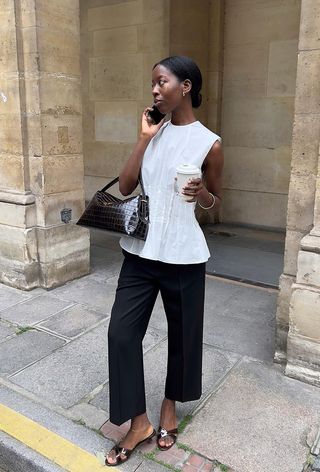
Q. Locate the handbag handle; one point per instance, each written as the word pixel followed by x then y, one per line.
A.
pixel 117 178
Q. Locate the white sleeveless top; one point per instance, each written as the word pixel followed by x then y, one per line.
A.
pixel 174 234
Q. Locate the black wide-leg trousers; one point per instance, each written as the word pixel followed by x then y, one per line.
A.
pixel 182 289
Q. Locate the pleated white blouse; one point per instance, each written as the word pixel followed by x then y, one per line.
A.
pixel 174 234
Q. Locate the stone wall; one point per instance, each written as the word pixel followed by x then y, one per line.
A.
pixel 259 76
pixel 120 42
pixel 248 62
pixel 41 163
pixel 298 314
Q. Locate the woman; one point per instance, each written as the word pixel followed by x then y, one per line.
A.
pixel 171 260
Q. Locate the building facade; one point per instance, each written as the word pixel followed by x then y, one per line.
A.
pixel 74 79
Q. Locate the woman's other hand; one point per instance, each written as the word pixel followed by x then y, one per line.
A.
pixel 148 128
pixel 193 189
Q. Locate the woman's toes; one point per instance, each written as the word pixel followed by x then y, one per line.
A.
pixel 110 458
pixel 165 442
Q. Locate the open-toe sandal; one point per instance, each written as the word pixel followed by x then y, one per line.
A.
pixel 123 451
pixel 162 432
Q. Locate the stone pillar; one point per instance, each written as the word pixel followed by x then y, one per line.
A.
pixel 298 314
pixel 41 163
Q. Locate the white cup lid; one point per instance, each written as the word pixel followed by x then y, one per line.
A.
pixel 188 169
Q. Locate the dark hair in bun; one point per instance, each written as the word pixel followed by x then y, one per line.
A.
pixel 185 68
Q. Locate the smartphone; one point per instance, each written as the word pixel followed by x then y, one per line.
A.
pixel 156 115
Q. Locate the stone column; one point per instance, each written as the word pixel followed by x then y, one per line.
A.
pixel 298 314
pixel 41 163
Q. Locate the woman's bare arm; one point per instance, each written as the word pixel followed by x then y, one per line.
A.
pixel 128 177
pixel 212 172
pixel 212 179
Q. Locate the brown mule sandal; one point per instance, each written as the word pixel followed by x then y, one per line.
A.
pixel 123 451
pixel 162 432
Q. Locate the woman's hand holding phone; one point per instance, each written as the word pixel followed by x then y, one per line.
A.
pixel 148 127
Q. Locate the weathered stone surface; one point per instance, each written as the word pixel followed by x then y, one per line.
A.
pixel 116 121
pixel 112 78
pixel 115 40
pixel 304 311
pixel 69 374
pixel 282 19
pixel 251 329
pixel 100 299
pixel 307 94
pixel 255 411
pixel 239 66
pixel 28 347
pixel 251 122
pixel 305 151
pixel 63 173
pixel 73 321
pixel 91 415
pixel 10 134
pixel 308 268
pixel 303 356
pixel 35 310
pixel 240 207
pixel 6 330
pixel 53 142
pixel 11 172
pixel 301 202
pixel 292 246
pixel 17 215
pixel 257 104
pixel 152 36
pixel 60 95
pixel 50 207
pixel 51 239
pixel 242 169
pixel 285 285
pixel 282 67
pixel 309 25
pixel 304 332
pixel 111 16
pixel 40 116
pixel 59 53
pixel 18 244
pixel 106 158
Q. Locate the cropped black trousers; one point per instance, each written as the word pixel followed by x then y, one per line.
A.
pixel 182 289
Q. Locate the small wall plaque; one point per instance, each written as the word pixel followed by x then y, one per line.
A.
pixel 66 215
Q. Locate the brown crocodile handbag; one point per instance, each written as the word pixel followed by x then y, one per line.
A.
pixel 129 216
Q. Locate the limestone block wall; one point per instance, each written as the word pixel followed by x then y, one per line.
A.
pixel 18 260
pixel 248 64
pixel 189 36
pixel 215 64
pixel 258 90
pixel 298 327
pixel 120 42
pixel 41 162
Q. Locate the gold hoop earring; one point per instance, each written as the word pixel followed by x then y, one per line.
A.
pixel 183 93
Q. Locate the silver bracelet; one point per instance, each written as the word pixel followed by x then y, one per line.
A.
pixel 213 202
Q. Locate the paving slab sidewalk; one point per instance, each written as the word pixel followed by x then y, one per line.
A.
pixel 250 417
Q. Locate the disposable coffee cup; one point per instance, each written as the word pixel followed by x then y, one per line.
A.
pixel 184 173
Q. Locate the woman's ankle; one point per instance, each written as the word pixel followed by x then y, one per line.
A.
pixel 140 422
pixel 168 400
